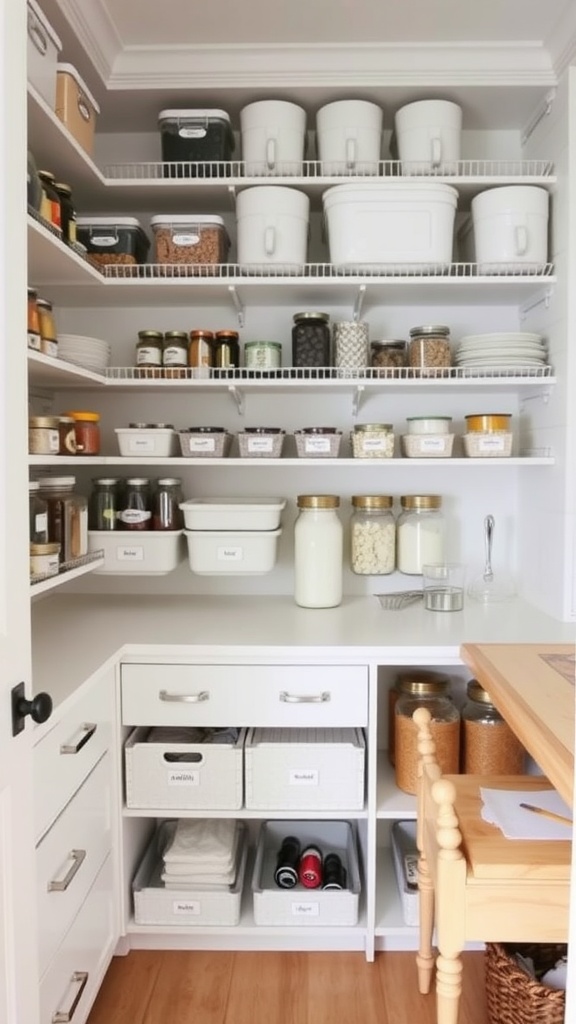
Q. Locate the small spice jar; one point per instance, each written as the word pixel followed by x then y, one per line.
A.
pixel 67 516
pixel 445 729
pixel 200 357
pixel 226 350
pixel 87 431
pixel 34 340
pixel 48 336
pixel 50 208
pixel 372 535
pixel 489 747
pixel 175 353
pixel 44 560
pixel 66 435
pixel 67 212
pixel 373 441
pixel 149 351
pixel 166 501
pixel 43 435
pixel 351 339
pixel 104 503
pixel 263 355
pixel 420 532
pixel 311 342
pixel 408 681
pixel 429 351
pixel 38 514
pixel 387 356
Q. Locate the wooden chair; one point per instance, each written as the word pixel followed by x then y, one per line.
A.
pixel 476 885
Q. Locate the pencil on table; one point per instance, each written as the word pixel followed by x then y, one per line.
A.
pixel 547 814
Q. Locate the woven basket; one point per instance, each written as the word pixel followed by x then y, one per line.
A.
pixel 513 997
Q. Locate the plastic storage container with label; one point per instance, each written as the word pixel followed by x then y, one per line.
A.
pixel 189 243
pixel 194 138
pixel 43 47
pixel 113 240
pixel 75 106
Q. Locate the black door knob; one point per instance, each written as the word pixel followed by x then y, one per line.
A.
pixel 39 708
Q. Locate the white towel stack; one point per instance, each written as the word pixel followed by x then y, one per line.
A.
pixel 203 854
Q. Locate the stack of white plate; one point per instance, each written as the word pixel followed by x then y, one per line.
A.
pixel 502 349
pixel 91 353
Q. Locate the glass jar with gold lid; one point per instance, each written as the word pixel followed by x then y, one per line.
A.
pixel 421 528
pixel 372 535
pixel 444 726
pixel 489 747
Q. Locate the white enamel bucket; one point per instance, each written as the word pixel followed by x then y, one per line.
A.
pixel 349 137
pixel 511 229
pixel 428 136
pixel 273 136
pixel 272 229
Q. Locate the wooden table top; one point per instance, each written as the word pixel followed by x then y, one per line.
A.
pixel 532 685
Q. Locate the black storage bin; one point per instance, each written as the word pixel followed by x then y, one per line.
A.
pixel 118 241
pixel 202 139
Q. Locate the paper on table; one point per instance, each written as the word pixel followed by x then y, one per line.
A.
pixel 501 807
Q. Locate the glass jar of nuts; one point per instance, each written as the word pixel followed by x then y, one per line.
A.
pixel 372 535
pixel 429 352
pixel 386 357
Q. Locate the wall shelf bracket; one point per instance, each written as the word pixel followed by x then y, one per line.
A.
pixel 545 298
pixel 237 303
pixel 356 398
pixel 238 395
pixel 359 302
pixel 538 396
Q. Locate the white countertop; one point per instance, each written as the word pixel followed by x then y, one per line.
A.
pixel 74 636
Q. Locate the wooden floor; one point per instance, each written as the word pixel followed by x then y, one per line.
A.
pixel 157 987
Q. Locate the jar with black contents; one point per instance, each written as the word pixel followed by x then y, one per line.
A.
pixel 311 343
pixel 50 208
pixel 104 503
pixel 67 212
pixel 200 352
pixel 175 354
pixel 226 350
pixel 136 505
pixel 149 350
pixel 166 501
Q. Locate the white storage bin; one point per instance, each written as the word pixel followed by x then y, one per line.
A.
pixel 428 136
pixel 304 769
pixel 139 552
pixel 161 442
pixel 272 222
pixel 232 513
pixel 43 47
pixel 76 106
pixel 177 775
pixel 155 904
pixel 480 444
pixel 511 229
pixel 349 137
pixel 301 907
pixel 405 858
pixel 427 446
pixel 273 136
pixel 374 227
pixel 232 552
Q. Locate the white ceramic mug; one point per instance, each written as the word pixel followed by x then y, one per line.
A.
pixel 428 134
pixel 273 137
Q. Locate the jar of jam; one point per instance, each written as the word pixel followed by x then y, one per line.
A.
pixel 67 212
pixel 226 350
pixel 104 503
pixel 87 430
pixel 34 341
pixel 149 352
pixel 50 208
pixel 48 336
pixel 136 505
pixel 200 357
pixel 166 512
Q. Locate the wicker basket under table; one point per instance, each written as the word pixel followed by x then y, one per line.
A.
pixel 513 997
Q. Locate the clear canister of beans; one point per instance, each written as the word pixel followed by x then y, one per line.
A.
pixel 226 350
pixel 429 353
pixel 351 341
pixel 406 682
pixel 489 747
pixel 445 729
pixel 372 535
pixel 388 356
pixel 420 532
pixel 149 350
pixel 166 501
pixel 67 516
pixel 104 503
pixel 38 513
pixel 200 352
pixel 87 431
pixel 311 342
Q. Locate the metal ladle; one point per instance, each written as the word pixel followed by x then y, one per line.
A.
pixel 488 587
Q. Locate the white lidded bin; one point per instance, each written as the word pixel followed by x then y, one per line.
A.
pixel 43 47
pixel 349 137
pixel 161 442
pixel 510 226
pixel 428 136
pixel 304 769
pixel 232 513
pixel 272 229
pixel 76 106
pixel 373 227
pixel 232 552
pixel 137 552
pixel 179 775
pixel 301 907
pixel 273 136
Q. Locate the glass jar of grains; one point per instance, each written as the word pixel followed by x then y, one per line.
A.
pixel 48 336
pixel 386 357
pixel 445 729
pixel 429 352
pixel 406 682
pixel 489 747
pixel 372 535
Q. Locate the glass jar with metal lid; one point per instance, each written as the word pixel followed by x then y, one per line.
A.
pixel 38 514
pixel 445 729
pixel 311 342
pixel 489 746
pixel 429 352
pixel 104 503
pixel 50 208
pixel 136 505
pixel 387 356
pixel 373 441
pixel 48 336
pixel 33 320
pixel 43 435
pixel 166 502
pixel 200 352
pixel 226 350
pixel 262 355
pixel 420 532
pixel 318 548
pixel 67 516
pixel 372 535
pixel 407 682
pixel 175 350
pixel 67 212
pixel 149 348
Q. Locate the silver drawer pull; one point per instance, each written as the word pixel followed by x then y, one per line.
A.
pixel 88 730
pixel 305 698
pixel 185 698
pixel 61 884
pixel 79 978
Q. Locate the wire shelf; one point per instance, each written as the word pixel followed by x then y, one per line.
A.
pixel 74 563
pixel 218 272
pixel 316 375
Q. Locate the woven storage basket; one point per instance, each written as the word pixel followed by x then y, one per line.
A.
pixel 513 997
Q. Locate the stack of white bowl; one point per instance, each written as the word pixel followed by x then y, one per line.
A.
pixel 91 353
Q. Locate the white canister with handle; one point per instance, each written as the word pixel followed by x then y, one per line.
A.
pixel 428 136
pixel 272 229
pixel 511 229
pixel 349 137
pixel 273 136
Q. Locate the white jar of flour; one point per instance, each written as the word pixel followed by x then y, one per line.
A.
pixel 420 532
pixel 318 551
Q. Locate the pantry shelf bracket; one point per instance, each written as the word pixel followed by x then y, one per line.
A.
pixel 237 303
pixel 238 397
pixel 356 398
pixel 359 302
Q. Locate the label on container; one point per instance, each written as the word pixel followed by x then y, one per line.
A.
pixel 34 341
pixel 49 347
pixel 229 554
pixel 183 777
pixel 303 777
pixel 193 133
pixel 134 516
pixel 41 522
pixel 104 240
pixel 188 239
pixel 141 444
pixel 432 444
pixel 301 909
pixel 44 565
pixel 374 444
pixel 189 907
pixel 129 554
pixel 490 444
pixel 261 444
pixel 316 445
pixel 174 355
pixel 149 357
pixel 201 444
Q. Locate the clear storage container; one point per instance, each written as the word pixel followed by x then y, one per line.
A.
pixel 350 339
pixel 429 350
pixel 311 342
pixel 489 746
pixel 189 244
pixel 445 729
pixel 195 142
pixel 420 532
pixel 372 535
pixel 67 516
pixel 113 241
pixel 373 441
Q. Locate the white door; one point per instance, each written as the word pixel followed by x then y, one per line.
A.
pixel 18 958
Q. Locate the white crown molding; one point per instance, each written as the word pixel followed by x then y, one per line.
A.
pixel 233 66
pixel 91 23
pixel 561 42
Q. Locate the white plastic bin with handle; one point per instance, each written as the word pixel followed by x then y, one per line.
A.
pixel 511 229
pixel 272 229
pixel 43 47
pixel 349 137
pixel 273 135
pixel 428 136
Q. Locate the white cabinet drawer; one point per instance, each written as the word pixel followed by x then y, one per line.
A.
pixel 244 695
pixel 70 984
pixel 69 857
pixel 65 755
